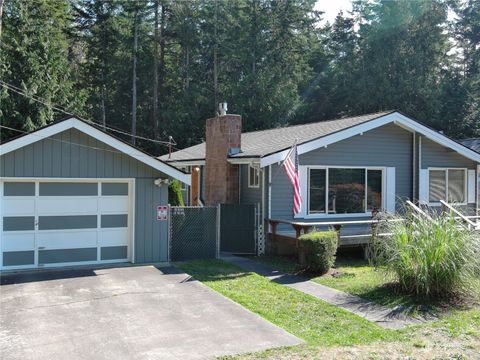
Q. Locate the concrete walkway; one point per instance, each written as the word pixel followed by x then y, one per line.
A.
pixel 381 315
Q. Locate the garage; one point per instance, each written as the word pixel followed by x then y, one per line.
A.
pixel 58 223
pixel 72 194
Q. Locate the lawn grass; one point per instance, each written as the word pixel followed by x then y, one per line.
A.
pixel 313 320
pixel 359 278
pixel 330 332
pixel 354 276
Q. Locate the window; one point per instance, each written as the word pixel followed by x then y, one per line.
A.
pixel 253 176
pixel 183 186
pixel 447 184
pixel 317 188
pixel 344 190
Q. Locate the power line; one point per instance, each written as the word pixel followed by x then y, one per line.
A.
pixel 63 110
pixel 77 144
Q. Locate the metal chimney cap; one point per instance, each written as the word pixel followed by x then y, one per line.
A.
pixel 222 108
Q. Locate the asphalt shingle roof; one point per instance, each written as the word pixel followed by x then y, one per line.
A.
pixel 473 144
pixel 265 142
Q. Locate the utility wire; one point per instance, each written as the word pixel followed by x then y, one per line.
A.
pixel 77 144
pixel 63 110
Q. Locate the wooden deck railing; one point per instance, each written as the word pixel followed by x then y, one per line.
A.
pixel 306 227
pixel 469 224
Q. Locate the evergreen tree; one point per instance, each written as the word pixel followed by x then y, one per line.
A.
pixel 37 59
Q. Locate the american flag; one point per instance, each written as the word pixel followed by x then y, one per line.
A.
pixel 290 164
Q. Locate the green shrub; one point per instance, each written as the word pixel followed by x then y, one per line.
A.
pixel 175 197
pixel 430 258
pixel 319 249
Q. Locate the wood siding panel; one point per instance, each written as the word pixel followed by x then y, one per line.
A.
pixel 38 158
pixel 57 155
pixel 66 154
pixel 435 155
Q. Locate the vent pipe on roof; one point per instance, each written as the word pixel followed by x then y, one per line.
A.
pixel 222 108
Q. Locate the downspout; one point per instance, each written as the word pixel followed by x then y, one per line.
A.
pixel 414 168
pixel 419 164
pixel 269 194
pixel 240 169
pixel 262 215
pixel 419 153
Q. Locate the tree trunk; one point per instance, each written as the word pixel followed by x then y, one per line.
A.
pixel 1 14
pixel 161 65
pixel 187 68
pixel 134 77
pixel 104 116
pixel 215 65
pixel 155 72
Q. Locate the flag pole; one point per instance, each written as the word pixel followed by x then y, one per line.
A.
pixel 290 151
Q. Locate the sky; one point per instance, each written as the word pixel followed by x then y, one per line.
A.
pixel 331 8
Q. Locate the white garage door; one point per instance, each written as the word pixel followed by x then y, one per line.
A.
pixel 60 223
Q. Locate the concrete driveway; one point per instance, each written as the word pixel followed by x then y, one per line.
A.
pixel 125 313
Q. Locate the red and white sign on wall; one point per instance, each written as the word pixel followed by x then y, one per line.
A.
pixel 162 213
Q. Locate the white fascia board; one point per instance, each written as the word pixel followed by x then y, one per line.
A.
pixel 397 118
pixel 243 161
pixel 99 135
pixel 186 163
pixel 438 137
pixel 38 135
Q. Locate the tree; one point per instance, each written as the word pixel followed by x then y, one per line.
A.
pixel 36 59
pixel 467 30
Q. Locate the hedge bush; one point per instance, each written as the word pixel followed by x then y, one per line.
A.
pixel 319 249
pixel 175 197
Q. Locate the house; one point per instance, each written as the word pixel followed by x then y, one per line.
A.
pixel 72 194
pixel 347 167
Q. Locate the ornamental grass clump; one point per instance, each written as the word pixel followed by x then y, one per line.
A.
pixel 432 258
pixel 319 249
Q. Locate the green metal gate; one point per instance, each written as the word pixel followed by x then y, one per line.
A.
pixel 238 228
pixel 193 233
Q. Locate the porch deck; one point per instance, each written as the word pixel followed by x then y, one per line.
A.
pixel 284 240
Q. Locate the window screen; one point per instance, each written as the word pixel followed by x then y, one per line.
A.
pixel 253 176
pixel 456 186
pixel 437 185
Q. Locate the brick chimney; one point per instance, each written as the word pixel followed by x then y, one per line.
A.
pixel 223 137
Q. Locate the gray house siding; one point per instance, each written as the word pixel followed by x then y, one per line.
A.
pixel 72 154
pixel 435 155
pixel 387 146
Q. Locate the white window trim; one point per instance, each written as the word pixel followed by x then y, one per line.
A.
pixel 306 183
pixel 446 169
pixel 257 169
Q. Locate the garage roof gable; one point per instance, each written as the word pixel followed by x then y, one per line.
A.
pixel 95 132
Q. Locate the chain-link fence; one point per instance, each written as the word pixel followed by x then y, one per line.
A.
pixel 193 233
